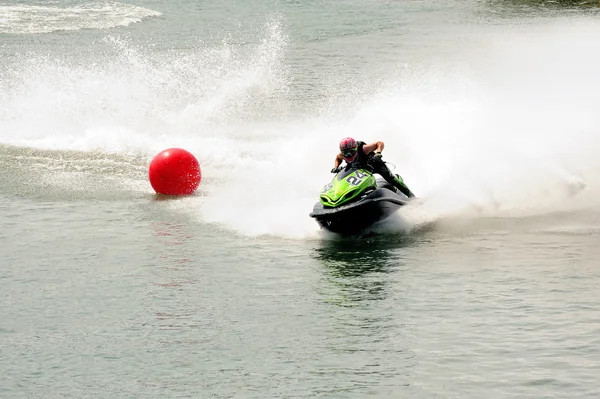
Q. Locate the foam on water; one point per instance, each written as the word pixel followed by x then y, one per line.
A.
pixel 507 131
pixel 35 19
pixel 524 140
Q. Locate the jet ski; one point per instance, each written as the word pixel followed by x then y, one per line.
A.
pixel 354 200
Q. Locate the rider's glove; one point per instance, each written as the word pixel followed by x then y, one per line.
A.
pixel 336 169
pixel 378 154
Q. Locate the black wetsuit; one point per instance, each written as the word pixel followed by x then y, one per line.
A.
pixel 377 165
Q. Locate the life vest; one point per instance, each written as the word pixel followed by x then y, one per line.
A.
pixel 362 159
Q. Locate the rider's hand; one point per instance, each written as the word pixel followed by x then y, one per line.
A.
pixel 378 154
pixel 335 169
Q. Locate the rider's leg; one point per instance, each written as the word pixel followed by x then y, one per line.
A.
pixel 395 180
pixel 403 187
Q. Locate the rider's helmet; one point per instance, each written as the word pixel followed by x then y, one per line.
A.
pixel 349 148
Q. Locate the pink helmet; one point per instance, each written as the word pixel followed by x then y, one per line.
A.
pixel 349 147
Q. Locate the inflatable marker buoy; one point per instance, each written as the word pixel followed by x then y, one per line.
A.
pixel 175 171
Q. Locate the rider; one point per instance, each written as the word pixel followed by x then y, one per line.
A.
pixel 361 154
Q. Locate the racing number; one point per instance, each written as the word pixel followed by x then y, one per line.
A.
pixel 356 180
pixel 327 188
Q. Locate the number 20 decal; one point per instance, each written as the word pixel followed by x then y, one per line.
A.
pixel 356 180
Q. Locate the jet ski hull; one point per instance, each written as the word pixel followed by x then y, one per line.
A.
pixel 355 217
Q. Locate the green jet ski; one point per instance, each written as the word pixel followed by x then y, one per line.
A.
pixel 354 200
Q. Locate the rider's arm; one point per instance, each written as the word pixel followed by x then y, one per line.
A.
pixel 373 147
pixel 338 160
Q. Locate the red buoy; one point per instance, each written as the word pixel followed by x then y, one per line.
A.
pixel 175 171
